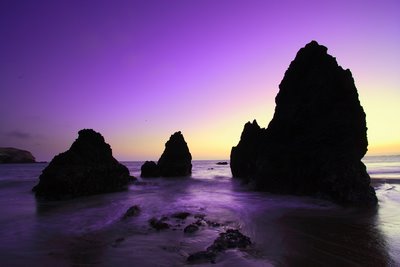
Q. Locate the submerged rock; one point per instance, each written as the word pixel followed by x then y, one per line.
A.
pixel 175 161
pixel 132 211
pixel 202 257
pixel 87 168
pixel 14 155
pixel 231 239
pixel 182 215
pixel 158 224
pixel 316 140
pixel 191 228
pixel 149 169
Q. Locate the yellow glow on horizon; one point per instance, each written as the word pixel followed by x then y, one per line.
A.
pixel 214 139
pixel 212 136
pixel 382 115
pixel 384 149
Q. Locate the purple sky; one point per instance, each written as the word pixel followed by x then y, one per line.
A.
pixel 137 71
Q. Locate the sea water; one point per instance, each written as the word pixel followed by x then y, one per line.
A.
pixel 284 230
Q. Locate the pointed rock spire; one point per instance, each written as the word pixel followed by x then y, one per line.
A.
pixel 317 137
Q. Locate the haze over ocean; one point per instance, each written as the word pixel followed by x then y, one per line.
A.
pixel 137 71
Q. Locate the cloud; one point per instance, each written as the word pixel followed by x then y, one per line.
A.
pixel 19 135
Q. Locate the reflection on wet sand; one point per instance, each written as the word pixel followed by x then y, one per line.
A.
pixel 333 238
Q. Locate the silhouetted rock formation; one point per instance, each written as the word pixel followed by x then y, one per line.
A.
pixel 244 155
pixel 14 155
pixel 149 169
pixel 316 140
pixel 231 239
pixel 175 161
pixel 88 167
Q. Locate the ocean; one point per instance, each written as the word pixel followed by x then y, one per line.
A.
pixel 284 230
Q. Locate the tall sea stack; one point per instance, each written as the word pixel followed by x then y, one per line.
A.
pixel 176 159
pixel 87 168
pixel 316 140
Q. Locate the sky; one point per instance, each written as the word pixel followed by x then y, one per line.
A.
pixel 138 71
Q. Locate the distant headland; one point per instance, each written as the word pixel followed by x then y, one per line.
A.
pixel 15 155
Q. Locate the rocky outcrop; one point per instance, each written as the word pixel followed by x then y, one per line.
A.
pixel 175 161
pixel 149 169
pixel 316 140
pixel 231 239
pixel 159 224
pixel 191 228
pixel 244 155
pixel 182 215
pixel 131 212
pixel 87 168
pixel 14 155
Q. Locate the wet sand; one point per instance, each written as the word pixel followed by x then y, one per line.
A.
pixel 333 238
pixel 284 230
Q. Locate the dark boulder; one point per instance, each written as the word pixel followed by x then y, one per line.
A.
pixel 132 211
pixel 14 155
pixel 87 168
pixel 222 163
pixel 202 257
pixel 159 224
pixel 182 215
pixel 212 223
pixel 175 161
pixel 316 140
pixel 231 239
pixel 149 169
pixel 191 228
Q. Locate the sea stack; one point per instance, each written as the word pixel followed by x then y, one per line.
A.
pixel 317 137
pixel 149 169
pixel 175 161
pixel 15 155
pixel 87 168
